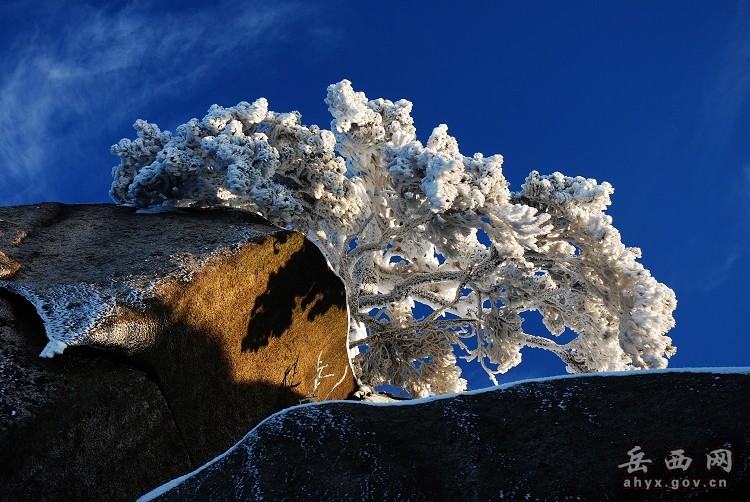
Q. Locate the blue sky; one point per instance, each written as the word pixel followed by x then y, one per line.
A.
pixel 651 96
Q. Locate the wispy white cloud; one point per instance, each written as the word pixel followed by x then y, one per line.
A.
pixel 724 242
pixel 728 89
pixel 709 270
pixel 716 273
pixel 83 67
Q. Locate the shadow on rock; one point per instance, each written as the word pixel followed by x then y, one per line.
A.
pixel 303 282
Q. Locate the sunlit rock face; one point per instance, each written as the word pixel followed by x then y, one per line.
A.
pixel 582 438
pixel 226 318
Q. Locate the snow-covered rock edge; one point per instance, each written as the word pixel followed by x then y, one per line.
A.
pixel 80 314
pixel 177 481
pixel 69 312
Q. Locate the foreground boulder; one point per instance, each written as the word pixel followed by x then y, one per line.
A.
pixel 209 321
pixel 573 438
pixel 78 427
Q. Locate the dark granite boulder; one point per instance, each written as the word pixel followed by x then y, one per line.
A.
pixel 591 437
pixel 79 427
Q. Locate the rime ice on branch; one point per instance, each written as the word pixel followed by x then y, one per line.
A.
pixel 401 222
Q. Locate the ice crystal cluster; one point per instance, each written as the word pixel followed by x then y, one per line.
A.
pixel 407 225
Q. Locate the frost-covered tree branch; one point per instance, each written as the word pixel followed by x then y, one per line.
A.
pixel 401 222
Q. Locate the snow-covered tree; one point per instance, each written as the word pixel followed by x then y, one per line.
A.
pixel 404 223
